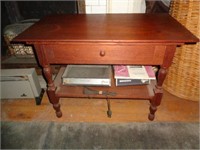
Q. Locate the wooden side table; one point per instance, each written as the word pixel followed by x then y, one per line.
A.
pixel 138 39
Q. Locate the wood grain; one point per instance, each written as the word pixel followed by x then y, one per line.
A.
pixel 135 28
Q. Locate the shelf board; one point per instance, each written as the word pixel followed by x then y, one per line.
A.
pixel 122 92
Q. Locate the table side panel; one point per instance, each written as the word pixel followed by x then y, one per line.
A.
pixel 104 54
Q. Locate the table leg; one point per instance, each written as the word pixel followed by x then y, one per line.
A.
pixel 158 91
pixel 51 91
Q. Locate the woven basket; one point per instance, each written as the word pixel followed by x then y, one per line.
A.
pixel 183 75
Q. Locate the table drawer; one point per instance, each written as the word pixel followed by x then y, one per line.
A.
pixel 104 54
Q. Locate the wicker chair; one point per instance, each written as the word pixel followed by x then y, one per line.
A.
pixel 11 31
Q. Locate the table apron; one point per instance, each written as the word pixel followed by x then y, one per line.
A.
pixel 104 54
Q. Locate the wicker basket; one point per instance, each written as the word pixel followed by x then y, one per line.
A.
pixel 183 75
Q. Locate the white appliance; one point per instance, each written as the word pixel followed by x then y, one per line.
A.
pixel 88 75
pixel 20 83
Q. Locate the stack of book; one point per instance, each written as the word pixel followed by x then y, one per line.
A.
pixel 133 75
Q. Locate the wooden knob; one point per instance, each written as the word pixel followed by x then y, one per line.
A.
pixel 102 53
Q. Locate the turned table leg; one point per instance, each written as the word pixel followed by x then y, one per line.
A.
pixel 158 91
pixel 51 91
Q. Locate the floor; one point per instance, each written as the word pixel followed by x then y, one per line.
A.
pixel 172 109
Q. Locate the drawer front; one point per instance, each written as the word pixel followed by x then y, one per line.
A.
pixel 104 54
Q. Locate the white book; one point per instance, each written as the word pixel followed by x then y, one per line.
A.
pixel 130 72
pixel 133 75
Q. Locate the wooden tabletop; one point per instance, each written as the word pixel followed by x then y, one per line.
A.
pixel 134 28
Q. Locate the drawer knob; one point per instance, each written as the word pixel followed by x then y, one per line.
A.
pixel 102 53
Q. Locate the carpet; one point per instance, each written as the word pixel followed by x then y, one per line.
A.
pixel 53 135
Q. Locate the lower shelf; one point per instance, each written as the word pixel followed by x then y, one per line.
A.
pixel 122 92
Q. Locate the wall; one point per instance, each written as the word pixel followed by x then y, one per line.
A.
pixel 115 6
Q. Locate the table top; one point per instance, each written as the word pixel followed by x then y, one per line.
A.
pixel 134 28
